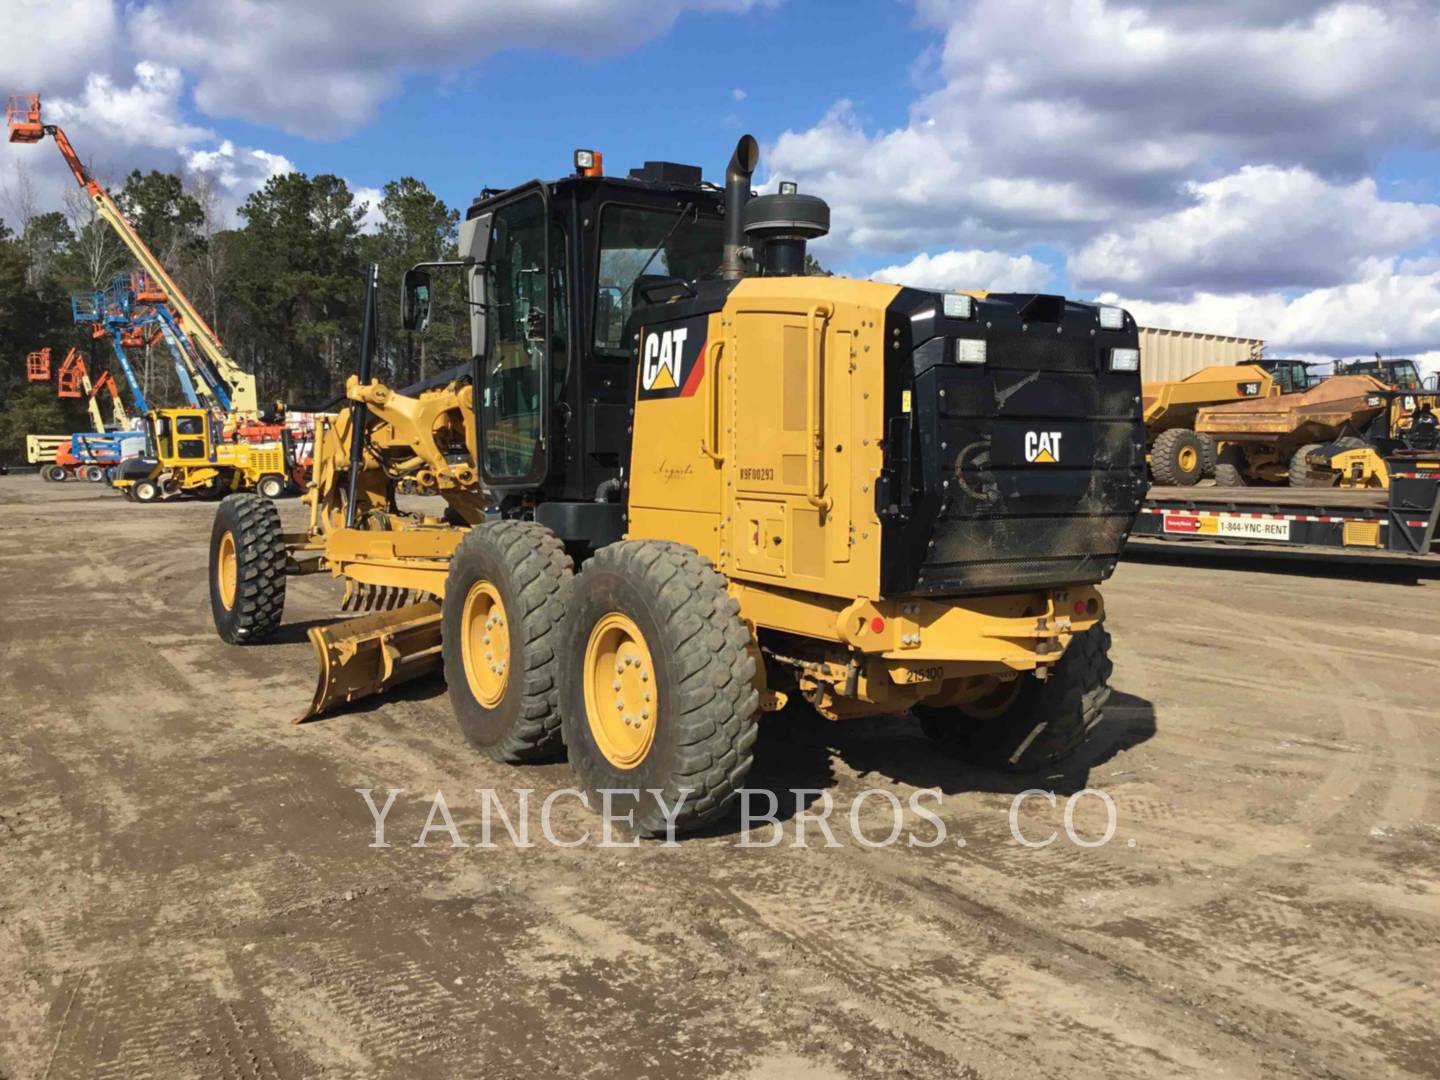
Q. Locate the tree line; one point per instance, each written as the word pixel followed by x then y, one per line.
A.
pixel 283 287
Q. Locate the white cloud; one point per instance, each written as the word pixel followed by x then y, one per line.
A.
pixel 1255 227
pixel 1216 156
pixel 117 124
pixel 1057 119
pixel 738 95
pixel 46 38
pixel 1393 306
pixel 369 198
pixel 145 113
pixel 237 171
pixel 956 270
pixel 321 69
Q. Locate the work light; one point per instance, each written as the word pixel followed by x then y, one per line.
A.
pixel 1112 318
pixel 1123 359
pixel 970 351
pixel 959 306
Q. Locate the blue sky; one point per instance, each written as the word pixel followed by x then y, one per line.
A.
pixel 1268 168
pixel 520 114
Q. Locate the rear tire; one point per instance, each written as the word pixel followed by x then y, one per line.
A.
pixel 1209 452
pixel 56 474
pixel 1302 476
pixel 94 473
pixel 145 491
pixel 1177 458
pixel 1230 467
pixel 247 569
pixel 1043 722
pixel 653 613
pixel 517 573
pixel 271 486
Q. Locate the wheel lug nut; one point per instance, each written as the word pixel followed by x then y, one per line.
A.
pixel 615 685
pixel 644 714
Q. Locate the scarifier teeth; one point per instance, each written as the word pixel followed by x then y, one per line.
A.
pixel 362 597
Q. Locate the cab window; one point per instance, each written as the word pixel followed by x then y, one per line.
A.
pixel 689 248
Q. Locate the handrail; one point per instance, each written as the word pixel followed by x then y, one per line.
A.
pixel 814 420
pixel 710 439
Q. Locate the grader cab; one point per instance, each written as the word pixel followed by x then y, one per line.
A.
pixel 717 486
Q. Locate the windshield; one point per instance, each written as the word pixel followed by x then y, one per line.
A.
pixel 1401 374
pixel 628 235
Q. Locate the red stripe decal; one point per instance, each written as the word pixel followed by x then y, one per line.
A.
pixel 692 381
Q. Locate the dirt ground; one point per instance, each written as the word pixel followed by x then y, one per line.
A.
pixel 187 886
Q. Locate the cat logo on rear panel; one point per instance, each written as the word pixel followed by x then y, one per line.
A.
pixel 671 359
pixel 1042 447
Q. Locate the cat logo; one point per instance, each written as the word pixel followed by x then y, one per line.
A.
pixel 1042 447
pixel 660 368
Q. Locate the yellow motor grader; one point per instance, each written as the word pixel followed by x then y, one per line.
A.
pixel 185 455
pixel 718 485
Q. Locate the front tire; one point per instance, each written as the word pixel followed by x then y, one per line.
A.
pixel 505 598
pixel 1040 723
pixel 653 614
pixel 247 569
pixel 56 474
pixel 1177 458
pixel 271 486
pixel 145 491
pixel 94 473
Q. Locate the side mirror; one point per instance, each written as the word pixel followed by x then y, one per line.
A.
pixel 415 309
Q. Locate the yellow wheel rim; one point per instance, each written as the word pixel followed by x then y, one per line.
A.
pixel 620 691
pixel 485 643
pixel 992 701
pixel 1188 458
pixel 229 570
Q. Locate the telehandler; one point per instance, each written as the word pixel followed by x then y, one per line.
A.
pixel 720 485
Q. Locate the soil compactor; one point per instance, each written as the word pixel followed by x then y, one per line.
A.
pixel 721 485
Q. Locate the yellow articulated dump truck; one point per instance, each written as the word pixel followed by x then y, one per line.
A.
pixel 719 486
pixel 186 456
pixel 1179 454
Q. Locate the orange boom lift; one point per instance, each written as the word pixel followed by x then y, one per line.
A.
pixel 22 114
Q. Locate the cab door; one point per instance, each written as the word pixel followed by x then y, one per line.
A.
pixel 192 443
pixel 526 341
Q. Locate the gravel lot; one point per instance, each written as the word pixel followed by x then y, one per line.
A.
pixel 187 886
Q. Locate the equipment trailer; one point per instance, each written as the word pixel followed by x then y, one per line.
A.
pixel 1357 521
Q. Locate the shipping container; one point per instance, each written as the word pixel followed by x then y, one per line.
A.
pixel 1170 355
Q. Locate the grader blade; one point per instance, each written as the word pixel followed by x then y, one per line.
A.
pixel 368 655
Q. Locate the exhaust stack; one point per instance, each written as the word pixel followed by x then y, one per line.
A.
pixel 737 193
